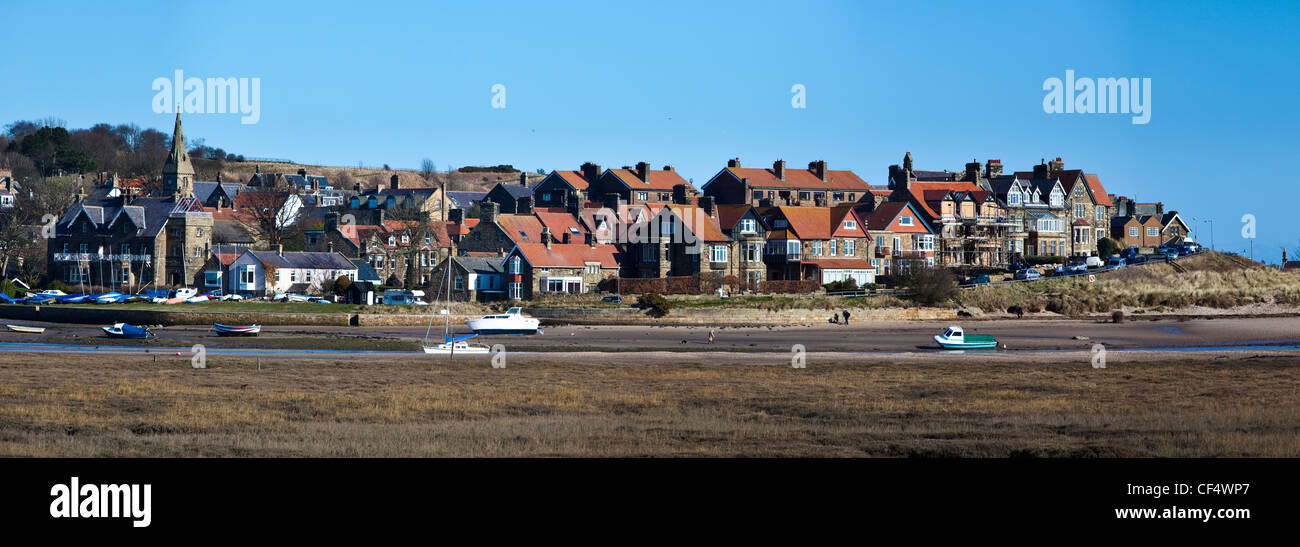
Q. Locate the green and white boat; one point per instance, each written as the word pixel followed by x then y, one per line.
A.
pixel 955 338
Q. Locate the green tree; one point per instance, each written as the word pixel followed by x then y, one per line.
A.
pixel 1107 246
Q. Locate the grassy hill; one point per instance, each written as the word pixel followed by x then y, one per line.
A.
pixel 344 177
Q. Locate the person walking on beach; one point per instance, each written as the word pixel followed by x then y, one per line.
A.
pixel 710 336
pixel 846 316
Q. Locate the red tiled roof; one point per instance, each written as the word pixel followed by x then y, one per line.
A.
pixel 521 228
pixel 574 179
pixel 572 255
pixel 1099 194
pixel 704 227
pixel 1081 222
pixel 729 215
pixel 801 179
pixel 559 223
pixel 880 218
pixel 659 180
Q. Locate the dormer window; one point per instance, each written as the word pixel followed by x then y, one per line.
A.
pixel 392 240
pixel 905 221
pixel 406 239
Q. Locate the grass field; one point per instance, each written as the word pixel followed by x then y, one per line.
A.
pixel 131 406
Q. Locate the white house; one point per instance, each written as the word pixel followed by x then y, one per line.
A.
pixel 289 272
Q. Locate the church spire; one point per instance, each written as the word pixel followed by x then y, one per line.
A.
pixel 178 172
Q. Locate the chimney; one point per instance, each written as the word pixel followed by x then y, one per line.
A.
pixel 733 162
pixel 993 168
pixel 218 177
pixel 818 169
pixel 329 246
pixel 1056 165
pixel 331 221
pixel 302 173
pixel 778 167
pixel 567 238
pixel 378 216
pixel 706 203
pixel 573 202
pixel 487 211
pixel 279 250
pixel 356 187
pixel 393 182
pixel 257 168
pixel 643 171
pixel 546 236
pixel 590 239
pixel 590 171
pixel 973 171
pixel 523 178
pixel 1040 170
pixel 456 215
pixel 668 168
pixel 612 200
pixel 524 205
pixel 679 194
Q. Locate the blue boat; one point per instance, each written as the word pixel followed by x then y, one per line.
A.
pixel 123 330
pixel 72 299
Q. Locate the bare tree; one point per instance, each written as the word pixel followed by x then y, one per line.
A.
pixel 427 169
pixel 266 211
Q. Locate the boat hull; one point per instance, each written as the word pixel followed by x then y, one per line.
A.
pixel 445 349
pixel 523 325
pixel 26 330
pixel 227 330
pixel 950 344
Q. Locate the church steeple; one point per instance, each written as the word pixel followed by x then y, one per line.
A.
pixel 178 172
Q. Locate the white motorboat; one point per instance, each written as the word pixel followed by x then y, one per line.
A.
pixel 510 322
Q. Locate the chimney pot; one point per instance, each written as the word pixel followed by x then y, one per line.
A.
pixel 279 250
pixel 778 167
pixel 643 171
pixel 394 182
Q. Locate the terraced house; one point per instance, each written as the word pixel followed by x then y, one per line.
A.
pixel 677 239
pixel 823 243
pixel 561 187
pixel 902 239
pixel 1031 204
pixel 639 185
pixel 816 186
pixel 130 241
pixel 537 269
pixel 1087 207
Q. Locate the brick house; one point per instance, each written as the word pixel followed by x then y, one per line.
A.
pixel 534 269
pixel 823 243
pixel 1173 229
pixel 902 239
pixel 495 233
pixel 1141 231
pixel 816 186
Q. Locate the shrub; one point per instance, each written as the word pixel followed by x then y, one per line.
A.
pixel 654 304
pixel 1117 316
pixel 931 285
pixel 59 286
pixel 341 285
pixel 1107 247
pixel 849 284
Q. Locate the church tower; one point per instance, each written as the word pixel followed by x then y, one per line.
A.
pixel 177 172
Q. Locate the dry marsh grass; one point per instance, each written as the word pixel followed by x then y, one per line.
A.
pixel 1210 280
pixel 121 406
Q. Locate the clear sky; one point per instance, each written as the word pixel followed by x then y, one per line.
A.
pixel 692 84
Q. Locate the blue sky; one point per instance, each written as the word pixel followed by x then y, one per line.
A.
pixel 694 83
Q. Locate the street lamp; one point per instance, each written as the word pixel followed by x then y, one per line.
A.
pixel 1211 221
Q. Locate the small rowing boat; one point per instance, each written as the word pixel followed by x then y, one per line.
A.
pixel 25 329
pixel 230 330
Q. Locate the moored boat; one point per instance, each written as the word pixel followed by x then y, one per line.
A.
pixel 123 330
pixel 955 338
pixel 25 329
pixel 232 330
pixel 510 322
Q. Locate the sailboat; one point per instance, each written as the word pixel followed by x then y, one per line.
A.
pixel 451 345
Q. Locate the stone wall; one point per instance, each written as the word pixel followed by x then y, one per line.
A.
pixel 730 316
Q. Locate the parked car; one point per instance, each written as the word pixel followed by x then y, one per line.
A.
pixel 1094 262
pixel 613 298
pixel 1186 250
pixel 1028 274
pixel 1116 262
pixel 1129 253
pixel 1076 267
pixel 976 280
pixel 1138 259
pixel 1170 254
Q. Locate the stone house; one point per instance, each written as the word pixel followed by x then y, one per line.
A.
pixel 641 185
pixel 386 247
pixel 970 223
pixel 495 234
pixel 816 186
pixel 559 187
pixel 534 269
pixel 507 195
pixel 901 238
pixel 369 203
pixel 748 234
pixel 1085 199
pixel 131 241
pixel 1047 235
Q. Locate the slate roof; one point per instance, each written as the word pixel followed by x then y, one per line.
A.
pixel 481 264
pixel 148 214
pixel 465 200
pixel 203 190
pixel 365 272
pixel 303 260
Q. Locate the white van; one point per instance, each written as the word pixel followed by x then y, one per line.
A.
pixel 401 297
